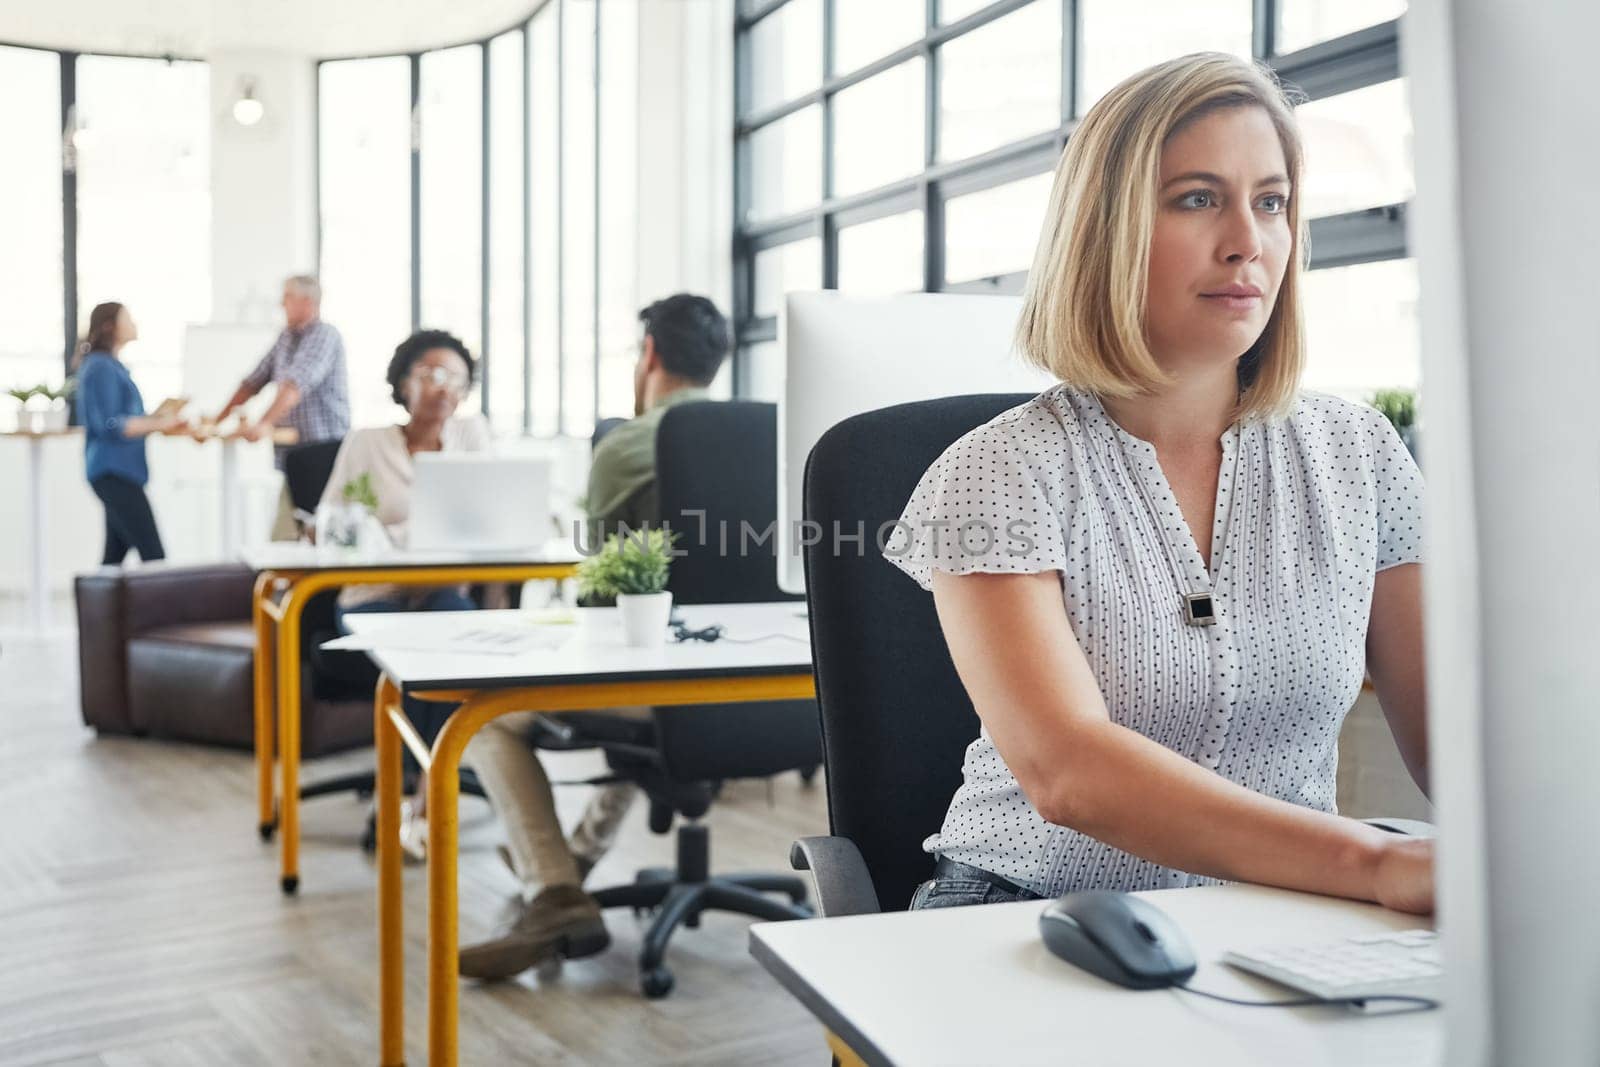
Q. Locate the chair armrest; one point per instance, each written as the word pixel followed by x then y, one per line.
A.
pixel 843 885
pixel 1408 827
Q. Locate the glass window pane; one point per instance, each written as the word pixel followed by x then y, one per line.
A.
pixel 1002 82
pixel 882 256
pixel 1358 150
pixel 864 32
pixel 763 380
pixel 786 165
pixel 144 204
pixel 1120 39
pixel 544 220
pixel 1354 355
pixel 451 116
pixel 30 218
pixel 793 267
pixel 994 231
pixel 577 215
pixel 956 10
pixel 878 129
pixel 619 214
pixel 365 166
pixel 1306 22
pixel 507 382
pixel 785 54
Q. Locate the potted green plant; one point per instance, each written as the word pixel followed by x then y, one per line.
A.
pixel 40 407
pixel 633 568
pixel 1399 406
pixel 346 523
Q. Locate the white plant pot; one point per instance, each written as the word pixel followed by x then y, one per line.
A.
pixel 644 618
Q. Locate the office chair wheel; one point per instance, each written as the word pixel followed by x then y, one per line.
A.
pixel 291 884
pixel 808 775
pixel 657 983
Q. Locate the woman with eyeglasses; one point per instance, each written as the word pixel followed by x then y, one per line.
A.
pixel 430 374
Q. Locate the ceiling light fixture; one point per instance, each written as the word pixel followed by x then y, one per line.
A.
pixel 247 110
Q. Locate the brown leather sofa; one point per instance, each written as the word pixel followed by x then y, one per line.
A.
pixel 168 652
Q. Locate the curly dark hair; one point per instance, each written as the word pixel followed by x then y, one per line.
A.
pixel 407 352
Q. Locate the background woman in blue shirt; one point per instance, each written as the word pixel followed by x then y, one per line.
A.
pixel 111 411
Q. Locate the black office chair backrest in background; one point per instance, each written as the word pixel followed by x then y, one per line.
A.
pixel 306 470
pixel 721 458
pixel 717 464
pixel 895 717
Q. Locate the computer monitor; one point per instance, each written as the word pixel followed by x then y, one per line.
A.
pixel 461 502
pixel 1502 101
pixel 846 355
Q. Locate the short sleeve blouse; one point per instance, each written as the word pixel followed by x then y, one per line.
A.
pixel 1309 508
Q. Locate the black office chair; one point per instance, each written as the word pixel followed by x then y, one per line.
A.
pixel 896 719
pixel 336 675
pixel 719 458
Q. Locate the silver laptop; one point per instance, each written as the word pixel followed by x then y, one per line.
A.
pixel 462 502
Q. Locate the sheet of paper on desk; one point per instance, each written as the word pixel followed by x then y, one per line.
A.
pixel 488 640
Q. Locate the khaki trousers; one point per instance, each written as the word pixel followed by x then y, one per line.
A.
pixel 512 774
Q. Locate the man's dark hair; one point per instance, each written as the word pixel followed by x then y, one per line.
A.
pixel 413 348
pixel 691 336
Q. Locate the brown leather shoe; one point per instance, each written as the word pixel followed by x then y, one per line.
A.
pixel 562 921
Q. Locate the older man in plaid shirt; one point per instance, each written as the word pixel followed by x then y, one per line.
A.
pixel 307 364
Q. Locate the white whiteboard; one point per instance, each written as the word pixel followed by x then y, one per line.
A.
pixel 843 356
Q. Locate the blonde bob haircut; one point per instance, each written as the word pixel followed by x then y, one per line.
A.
pixel 1083 315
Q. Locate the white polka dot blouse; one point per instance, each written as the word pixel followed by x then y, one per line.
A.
pixel 1309 508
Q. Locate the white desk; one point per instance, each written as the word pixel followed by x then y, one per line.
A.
pixel 976 985
pixel 592 669
pixel 288 575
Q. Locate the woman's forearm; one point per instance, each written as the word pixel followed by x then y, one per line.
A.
pixel 1134 794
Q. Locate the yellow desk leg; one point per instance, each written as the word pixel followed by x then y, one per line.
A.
pixel 266 817
pixel 843 1054
pixel 294 600
pixel 391 914
pixel 444 789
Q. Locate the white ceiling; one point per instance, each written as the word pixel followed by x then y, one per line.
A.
pixel 318 28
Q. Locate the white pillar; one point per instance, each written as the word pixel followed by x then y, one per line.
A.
pixel 1505 116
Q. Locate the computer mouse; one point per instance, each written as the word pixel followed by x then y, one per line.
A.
pixel 1119 937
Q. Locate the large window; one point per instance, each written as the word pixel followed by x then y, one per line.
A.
pixel 32 314
pixel 904 145
pixel 142 142
pixel 502 207
pixel 365 208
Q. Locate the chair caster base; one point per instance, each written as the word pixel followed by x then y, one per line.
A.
pixel 656 983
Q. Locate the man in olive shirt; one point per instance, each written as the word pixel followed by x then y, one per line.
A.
pixel 685 341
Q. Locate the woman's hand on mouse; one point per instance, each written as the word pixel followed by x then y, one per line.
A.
pixel 1403 877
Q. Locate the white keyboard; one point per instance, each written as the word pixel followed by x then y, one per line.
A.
pixel 1399 963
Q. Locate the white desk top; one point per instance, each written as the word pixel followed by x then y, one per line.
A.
pixel 976 985
pixel 298 556
pixel 408 646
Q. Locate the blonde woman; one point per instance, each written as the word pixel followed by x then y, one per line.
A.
pixel 1163 580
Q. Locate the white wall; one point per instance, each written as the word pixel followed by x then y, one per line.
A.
pixel 263 207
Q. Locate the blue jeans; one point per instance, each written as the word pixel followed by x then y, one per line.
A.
pixel 428 716
pixel 963 886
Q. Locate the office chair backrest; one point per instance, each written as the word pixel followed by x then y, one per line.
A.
pixel 896 720
pixel 721 458
pixel 306 470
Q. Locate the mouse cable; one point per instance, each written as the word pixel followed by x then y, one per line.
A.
pixel 1417 1003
